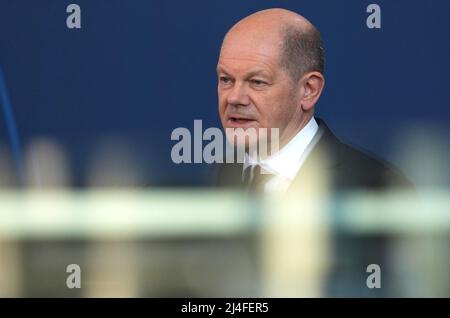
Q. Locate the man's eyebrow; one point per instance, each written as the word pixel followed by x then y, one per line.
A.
pixel 261 72
pixel 221 69
pixel 257 72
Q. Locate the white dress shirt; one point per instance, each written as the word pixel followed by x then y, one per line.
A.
pixel 285 164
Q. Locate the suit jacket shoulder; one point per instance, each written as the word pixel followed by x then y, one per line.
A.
pixel 349 168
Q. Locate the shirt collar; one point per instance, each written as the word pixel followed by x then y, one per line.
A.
pixel 288 160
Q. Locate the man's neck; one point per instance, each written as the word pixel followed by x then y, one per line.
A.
pixel 284 140
pixel 256 157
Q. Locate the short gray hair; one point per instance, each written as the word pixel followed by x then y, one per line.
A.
pixel 302 51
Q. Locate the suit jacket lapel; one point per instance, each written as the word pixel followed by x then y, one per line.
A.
pixel 322 159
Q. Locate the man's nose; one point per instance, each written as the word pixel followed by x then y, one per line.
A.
pixel 238 96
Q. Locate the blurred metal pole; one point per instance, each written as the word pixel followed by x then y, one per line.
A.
pixel 295 239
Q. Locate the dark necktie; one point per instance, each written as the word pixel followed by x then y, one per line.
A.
pixel 254 180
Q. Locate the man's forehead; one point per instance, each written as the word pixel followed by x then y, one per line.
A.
pixel 248 43
pixel 249 53
pixel 249 64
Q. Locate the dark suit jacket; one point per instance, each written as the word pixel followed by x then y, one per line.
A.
pixel 344 167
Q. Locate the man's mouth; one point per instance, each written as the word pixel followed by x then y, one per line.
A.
pixel 240 122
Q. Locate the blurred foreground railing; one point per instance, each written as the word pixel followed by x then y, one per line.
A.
pixel 215 244
pixel 159 213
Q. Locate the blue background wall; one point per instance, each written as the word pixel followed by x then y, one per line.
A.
pixel 139 69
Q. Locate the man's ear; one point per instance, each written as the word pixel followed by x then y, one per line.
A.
pixel 312 85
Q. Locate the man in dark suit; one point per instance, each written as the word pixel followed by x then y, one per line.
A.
pixel 270 74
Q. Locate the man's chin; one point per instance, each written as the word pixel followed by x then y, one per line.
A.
pixel 242 124
pixel 236 142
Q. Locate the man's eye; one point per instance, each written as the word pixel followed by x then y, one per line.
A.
pixel 225 80
pixel 258 82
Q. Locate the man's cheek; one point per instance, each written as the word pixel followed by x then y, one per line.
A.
pixel 221 111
